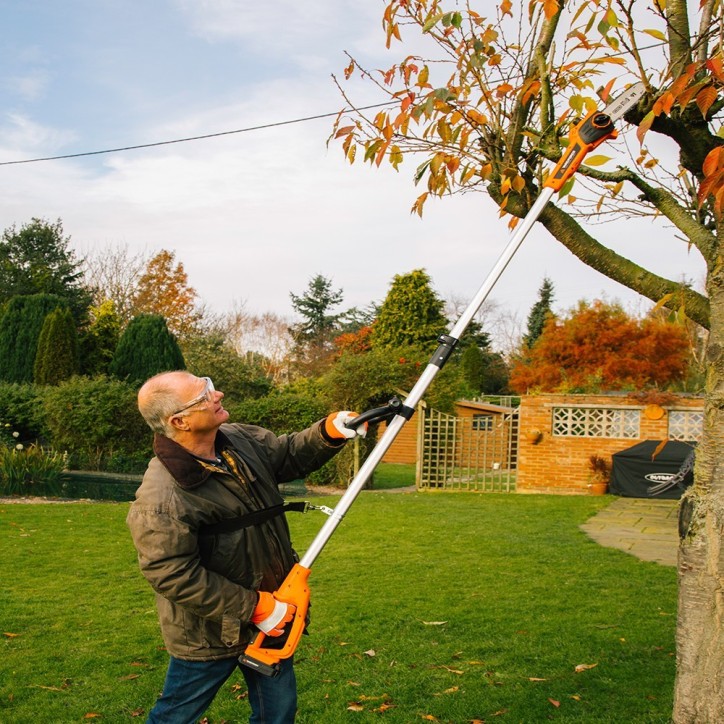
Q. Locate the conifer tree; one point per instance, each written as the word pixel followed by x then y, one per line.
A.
pixel 20 328
pixel 98 344
pixel 146 348
pixel 539 313
pixel 56 358
pixel 412 313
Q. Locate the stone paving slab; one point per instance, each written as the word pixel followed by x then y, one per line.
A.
pixel 643 527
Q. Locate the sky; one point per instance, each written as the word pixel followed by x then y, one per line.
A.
pixel 256 215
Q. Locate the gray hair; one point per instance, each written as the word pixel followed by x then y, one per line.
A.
pixel 157 401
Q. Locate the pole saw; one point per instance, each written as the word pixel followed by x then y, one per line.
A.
pixel 586 135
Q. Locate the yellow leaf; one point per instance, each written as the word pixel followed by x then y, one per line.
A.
pixel 584 667
pixel 655 34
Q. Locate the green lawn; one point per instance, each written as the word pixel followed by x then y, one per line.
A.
pixel 446 607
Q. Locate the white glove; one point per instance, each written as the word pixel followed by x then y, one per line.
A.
pixel 336 426
pixel 270 613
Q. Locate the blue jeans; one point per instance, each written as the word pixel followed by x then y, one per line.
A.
pixel 190 687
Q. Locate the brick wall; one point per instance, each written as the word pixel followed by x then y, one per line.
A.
pixel 557 464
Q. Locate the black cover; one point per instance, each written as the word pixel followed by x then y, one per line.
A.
pixel 634 473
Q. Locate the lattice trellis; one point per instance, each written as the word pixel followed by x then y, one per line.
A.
pixel 595 422
pixel 454 454
pixel 685 425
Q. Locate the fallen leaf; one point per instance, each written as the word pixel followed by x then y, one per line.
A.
pixel 453 671
pixel 576 697
pixel 355 707
pixel 430 717
pixel 533 678
pixel 130 677
pixel 382 708
pixel 138 712
pixel 11 635
pixel 555 703
pixel 91 715
pixel 138 663
pixel 451 690
pixel 584 667
pixel 370 653
pixel 434 623
pixel 501 712
pixel 354 683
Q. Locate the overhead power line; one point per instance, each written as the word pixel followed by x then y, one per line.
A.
pixel 190 138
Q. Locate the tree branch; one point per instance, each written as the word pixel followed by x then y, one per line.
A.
pixel 568 232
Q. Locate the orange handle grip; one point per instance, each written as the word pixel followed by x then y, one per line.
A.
pixel 591 132
pixel 293 590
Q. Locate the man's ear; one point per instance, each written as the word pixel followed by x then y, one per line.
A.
pixel 178 422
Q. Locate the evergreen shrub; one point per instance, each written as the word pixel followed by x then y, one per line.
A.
pixel 146 348
pixel 96 420
pixel 21 407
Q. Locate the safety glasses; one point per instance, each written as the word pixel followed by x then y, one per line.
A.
pixel 205 396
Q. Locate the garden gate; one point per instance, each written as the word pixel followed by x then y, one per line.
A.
pixel 467 453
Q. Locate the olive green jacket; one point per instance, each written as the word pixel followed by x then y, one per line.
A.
pixel 206 584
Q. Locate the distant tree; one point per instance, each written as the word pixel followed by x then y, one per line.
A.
pixel 163 289
pixel 354 342
pixel 20 327
pixel 114 274
pixel 99 341
pixel 239 377
pixel 36 260
pixel 56 358
pixel 263 337
pixel 484 371
pixel 146 348
pixel 598 347
pixel 411 314
pixel 314 334
pixel 539 313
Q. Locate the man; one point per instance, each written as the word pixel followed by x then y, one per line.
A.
pixel 213 589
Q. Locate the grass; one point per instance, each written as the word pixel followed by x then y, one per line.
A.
pixel 447 607
pixel 393 475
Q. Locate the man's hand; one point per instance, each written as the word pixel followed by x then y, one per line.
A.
pixel 336 426
pixel 270 615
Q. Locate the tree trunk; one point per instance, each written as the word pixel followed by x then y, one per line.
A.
pixel 699 690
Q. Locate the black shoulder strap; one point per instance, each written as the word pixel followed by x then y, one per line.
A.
pixel 250 519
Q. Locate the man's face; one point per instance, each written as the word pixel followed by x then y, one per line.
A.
pixel 202 408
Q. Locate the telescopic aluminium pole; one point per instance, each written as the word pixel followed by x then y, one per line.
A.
pixel 593 130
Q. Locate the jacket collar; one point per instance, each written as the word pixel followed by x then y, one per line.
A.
pixel 188 471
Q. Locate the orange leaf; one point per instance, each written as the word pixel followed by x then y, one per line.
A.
pixel 606 92
pixel 11 635
pixel 705 98
pixel 550 7
pixel 713 161
pixel 555 703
